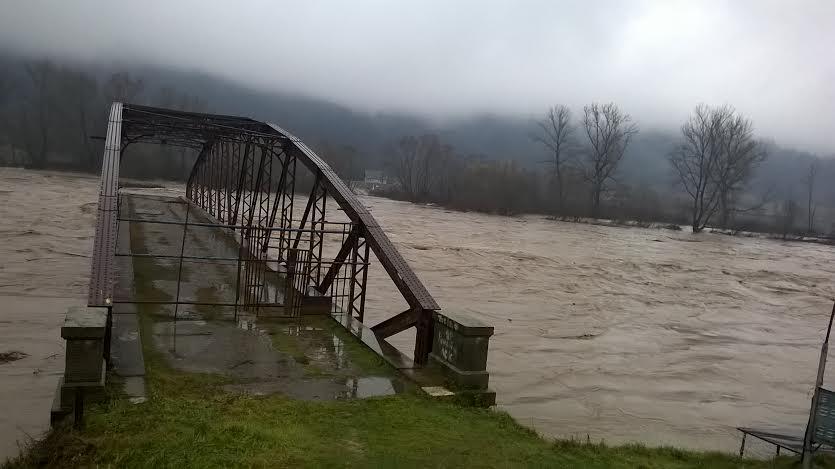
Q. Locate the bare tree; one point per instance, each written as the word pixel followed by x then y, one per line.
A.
pixel 741 155
pixel 342 158
pixel 555 134
pixel 715 159
pixel 609 131
pixel 35 113
pixel 446 169
pixel 79 101
pixel 121 87
pixel 175 159
pixel 811 207
pixel 786 215
pixel 413 164
pixel 6 88
pixel 695 160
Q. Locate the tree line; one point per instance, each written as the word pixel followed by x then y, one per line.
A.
pixel 712 163
pixel 54 115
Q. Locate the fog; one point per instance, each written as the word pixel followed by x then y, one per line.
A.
pixel 447 60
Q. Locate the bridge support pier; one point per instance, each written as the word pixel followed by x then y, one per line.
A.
pixel 85 331
pixel 459 350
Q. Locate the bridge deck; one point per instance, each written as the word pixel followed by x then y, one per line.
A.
pixel 307 357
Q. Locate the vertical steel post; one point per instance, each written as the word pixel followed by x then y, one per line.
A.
pixel 287 206
pixel 279 193
pixel 218 185
pixel 810 426
pixel 423 337
pixel 352 277
pixel 290 294
pixel 239 189
pixel 317 236
pixel 742 447
pixel 363 283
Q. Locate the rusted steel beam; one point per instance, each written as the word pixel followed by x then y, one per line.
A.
pixel 213 178
pixel 254 192
pixel 338 261
pixel 424 328
pixel 221 225
pixel 229 174
pixel 279 197
pixel 399 271
pixel 287 206
pixel 310 201
pixel 216 180
pixel 240 186
pixel 397 324
pixel 359 279
pixel 317 237
pixel 102 274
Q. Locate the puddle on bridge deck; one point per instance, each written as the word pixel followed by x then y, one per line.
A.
pixel 309 358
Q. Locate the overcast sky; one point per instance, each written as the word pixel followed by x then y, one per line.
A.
pixel 772 60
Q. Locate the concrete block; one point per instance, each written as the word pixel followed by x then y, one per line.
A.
pixel 82 322
pixel 83 362
pixel 316 304
pixel 84 330
pixel 64 398
pixel 93 391
pixel 459 348
pixel 461 378
pixel 462 324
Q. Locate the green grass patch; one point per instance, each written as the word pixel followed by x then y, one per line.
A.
pixel 198 428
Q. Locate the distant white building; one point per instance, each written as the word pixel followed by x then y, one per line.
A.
pixel 375 178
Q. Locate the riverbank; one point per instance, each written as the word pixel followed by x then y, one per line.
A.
pixel 830 241
pixel 191 421
pixel 623 222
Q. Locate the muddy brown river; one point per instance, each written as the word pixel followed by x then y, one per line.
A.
pixel 619 334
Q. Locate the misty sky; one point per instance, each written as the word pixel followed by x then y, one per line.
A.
pixel 773 60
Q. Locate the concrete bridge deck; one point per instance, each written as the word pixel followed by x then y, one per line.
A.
pixel 308 357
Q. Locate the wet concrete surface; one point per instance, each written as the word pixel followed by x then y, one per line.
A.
pixel 308 358
pixel 305 358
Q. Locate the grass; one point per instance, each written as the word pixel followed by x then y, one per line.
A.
pixel 189 423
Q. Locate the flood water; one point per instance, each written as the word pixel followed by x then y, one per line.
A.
pixel 621 334
pixel 46 227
